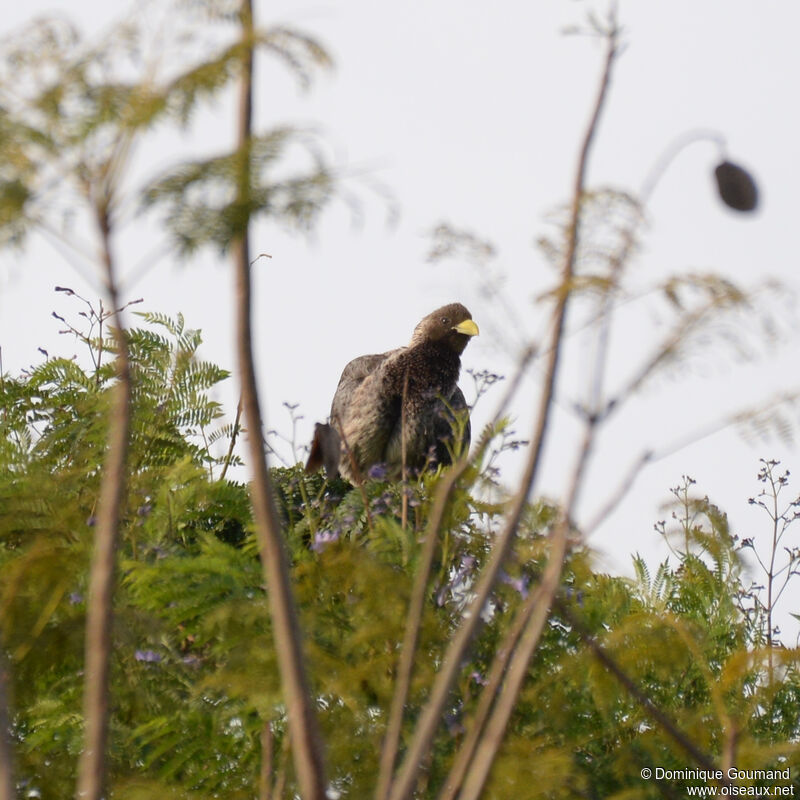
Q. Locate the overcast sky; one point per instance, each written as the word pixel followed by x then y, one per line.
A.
pixel 474 117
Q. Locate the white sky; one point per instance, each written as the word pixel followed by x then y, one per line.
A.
pixel 474 117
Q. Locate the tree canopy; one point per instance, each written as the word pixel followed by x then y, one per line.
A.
pixel 197 708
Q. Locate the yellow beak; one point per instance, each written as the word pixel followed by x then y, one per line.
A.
pixel 467 327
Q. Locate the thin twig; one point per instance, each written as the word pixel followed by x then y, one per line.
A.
pixel 431 715
pixel 666 158
pixel 496 673
pixel 280 777
pixel 92 767
pixel 234 435
pixel 616 497
pixel 266 775
pixel 307 750
pixel 534 617
pixel 403 451
pixel 703 760
pixel 520 643
pixel 538 612
pixel 147 263
pixel 7 787
pixel 443 494
pixel 416 609
pixel 487 747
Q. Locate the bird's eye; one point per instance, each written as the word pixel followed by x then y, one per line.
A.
pixel 445 321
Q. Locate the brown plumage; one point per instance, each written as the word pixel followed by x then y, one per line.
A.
pixel 403 400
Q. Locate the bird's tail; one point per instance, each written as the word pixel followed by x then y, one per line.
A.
pixel 325 450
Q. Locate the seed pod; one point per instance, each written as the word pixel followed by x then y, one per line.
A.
pixel 736 187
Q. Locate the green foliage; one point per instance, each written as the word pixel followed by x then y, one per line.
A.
pixel 195 676
pixel 72 110
pixel 200 197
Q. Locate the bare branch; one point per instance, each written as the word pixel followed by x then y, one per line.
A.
pixel 443 494
pixel 521 642
pixel 432 713
pixel 92 765
pixel 415 611
pixel 267 767
pixel 7 789
pixel 234 435
pixel 617 496
pixel 494 681
pixel 303 726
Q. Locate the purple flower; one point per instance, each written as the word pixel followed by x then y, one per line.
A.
pixel 377 471
pixel 478 678
pixel 520 584
pixel 148 656
pixel 322 539
pixel 441 595
pixel 413 498
pixel 75 598
pixel 463 571
pixel 574 594
pixel 453 724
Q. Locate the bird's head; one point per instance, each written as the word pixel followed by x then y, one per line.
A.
pixel 452 324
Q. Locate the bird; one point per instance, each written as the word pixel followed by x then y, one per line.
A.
pixel 398 409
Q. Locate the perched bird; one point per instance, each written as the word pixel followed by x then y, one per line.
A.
pixel 397 408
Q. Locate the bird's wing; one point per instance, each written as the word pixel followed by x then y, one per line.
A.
pixel 326 445
pixel 353 375
pixel 366 410
pixel 325 450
